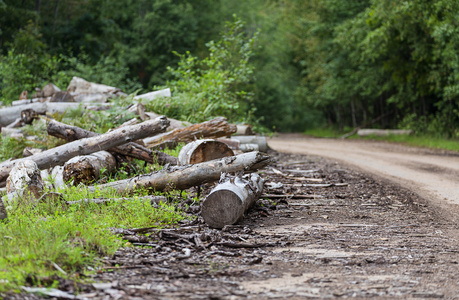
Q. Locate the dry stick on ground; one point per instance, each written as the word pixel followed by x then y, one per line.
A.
pixel 230 199
pixel 192 175
pixel 59 155
pixel 215 128
pixel 73 133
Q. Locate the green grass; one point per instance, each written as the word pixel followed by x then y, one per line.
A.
pixel 325 132
pixel 418 141
pixel 35 238
pixel 410 140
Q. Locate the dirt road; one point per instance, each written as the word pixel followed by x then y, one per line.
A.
pixel 434 175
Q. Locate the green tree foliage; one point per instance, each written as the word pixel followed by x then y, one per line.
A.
pixel 216 85
pixel 398 59
pixel 336 62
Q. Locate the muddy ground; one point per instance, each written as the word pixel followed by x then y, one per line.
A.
pixel 320 231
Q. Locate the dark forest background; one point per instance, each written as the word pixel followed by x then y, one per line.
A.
pixel 286 65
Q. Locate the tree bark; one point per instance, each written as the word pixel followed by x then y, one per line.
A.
pixel 3 213
pixel 73 133
pixel 153 200
pixel 88 168
pixel 9 114
pixel 203 150
pixel 244 129
pixel 252 139
pixel 25 181
pixel 230 199
pixel 192 175
pixel 61 154
pixel 215 128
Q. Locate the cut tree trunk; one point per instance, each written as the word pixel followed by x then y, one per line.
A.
pixel 153 200
pixel 215 128
pixel 80 86
pixel 88 168
pixel 10 114
pixel 383 132
pixel 192 175
pixel 244 129
pixel 73 133
pixel 253 139
pixel 53 178
pixel 29 101
pixel 154 95
pixel 203 150
pixel 25 181
pixel 61 154
pixel 174 123
pixel 230 199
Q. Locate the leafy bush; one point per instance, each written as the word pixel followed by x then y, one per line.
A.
pixel 218 85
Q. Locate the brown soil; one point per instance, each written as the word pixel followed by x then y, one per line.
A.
pixel 325 231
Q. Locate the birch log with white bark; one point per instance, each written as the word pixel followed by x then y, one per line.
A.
pixel 230 199
pixel 73 133
pixel 25 181
pixel 59 155
pixel 215 128
pixel 10 114
pixel 191 175
pixel 253 139
pixel 203 150
pixel 88 168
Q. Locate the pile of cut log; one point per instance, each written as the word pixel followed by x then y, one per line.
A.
pixel 214 151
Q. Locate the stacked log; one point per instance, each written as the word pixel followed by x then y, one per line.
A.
pixel 60 155
pixel 215 128
pixel 203 150
pixel 230 199
pixel 184 177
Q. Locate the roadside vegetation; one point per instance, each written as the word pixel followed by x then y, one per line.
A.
pixel 423 140
pixel 289 65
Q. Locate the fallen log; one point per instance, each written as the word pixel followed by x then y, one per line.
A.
pixel 88 168
pixel 73 133
pixel 253 139
pixel 154 95
pixel 9 114
pixel 215 128
pixel 230 199
pixel 203 150
pixel 244 129
pixel 25 181
pixel 80 86
pixel 53 178
pixel 29 101
pixel 183 177
pixel 383 132
pixel 12 132
pixel 61 154
pixel 174 123
pixel 154 200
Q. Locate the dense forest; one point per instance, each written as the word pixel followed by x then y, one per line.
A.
pixel 286 65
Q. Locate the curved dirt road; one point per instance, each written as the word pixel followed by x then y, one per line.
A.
pixel 434 175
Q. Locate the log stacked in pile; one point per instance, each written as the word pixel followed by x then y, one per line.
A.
pixel 86 155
